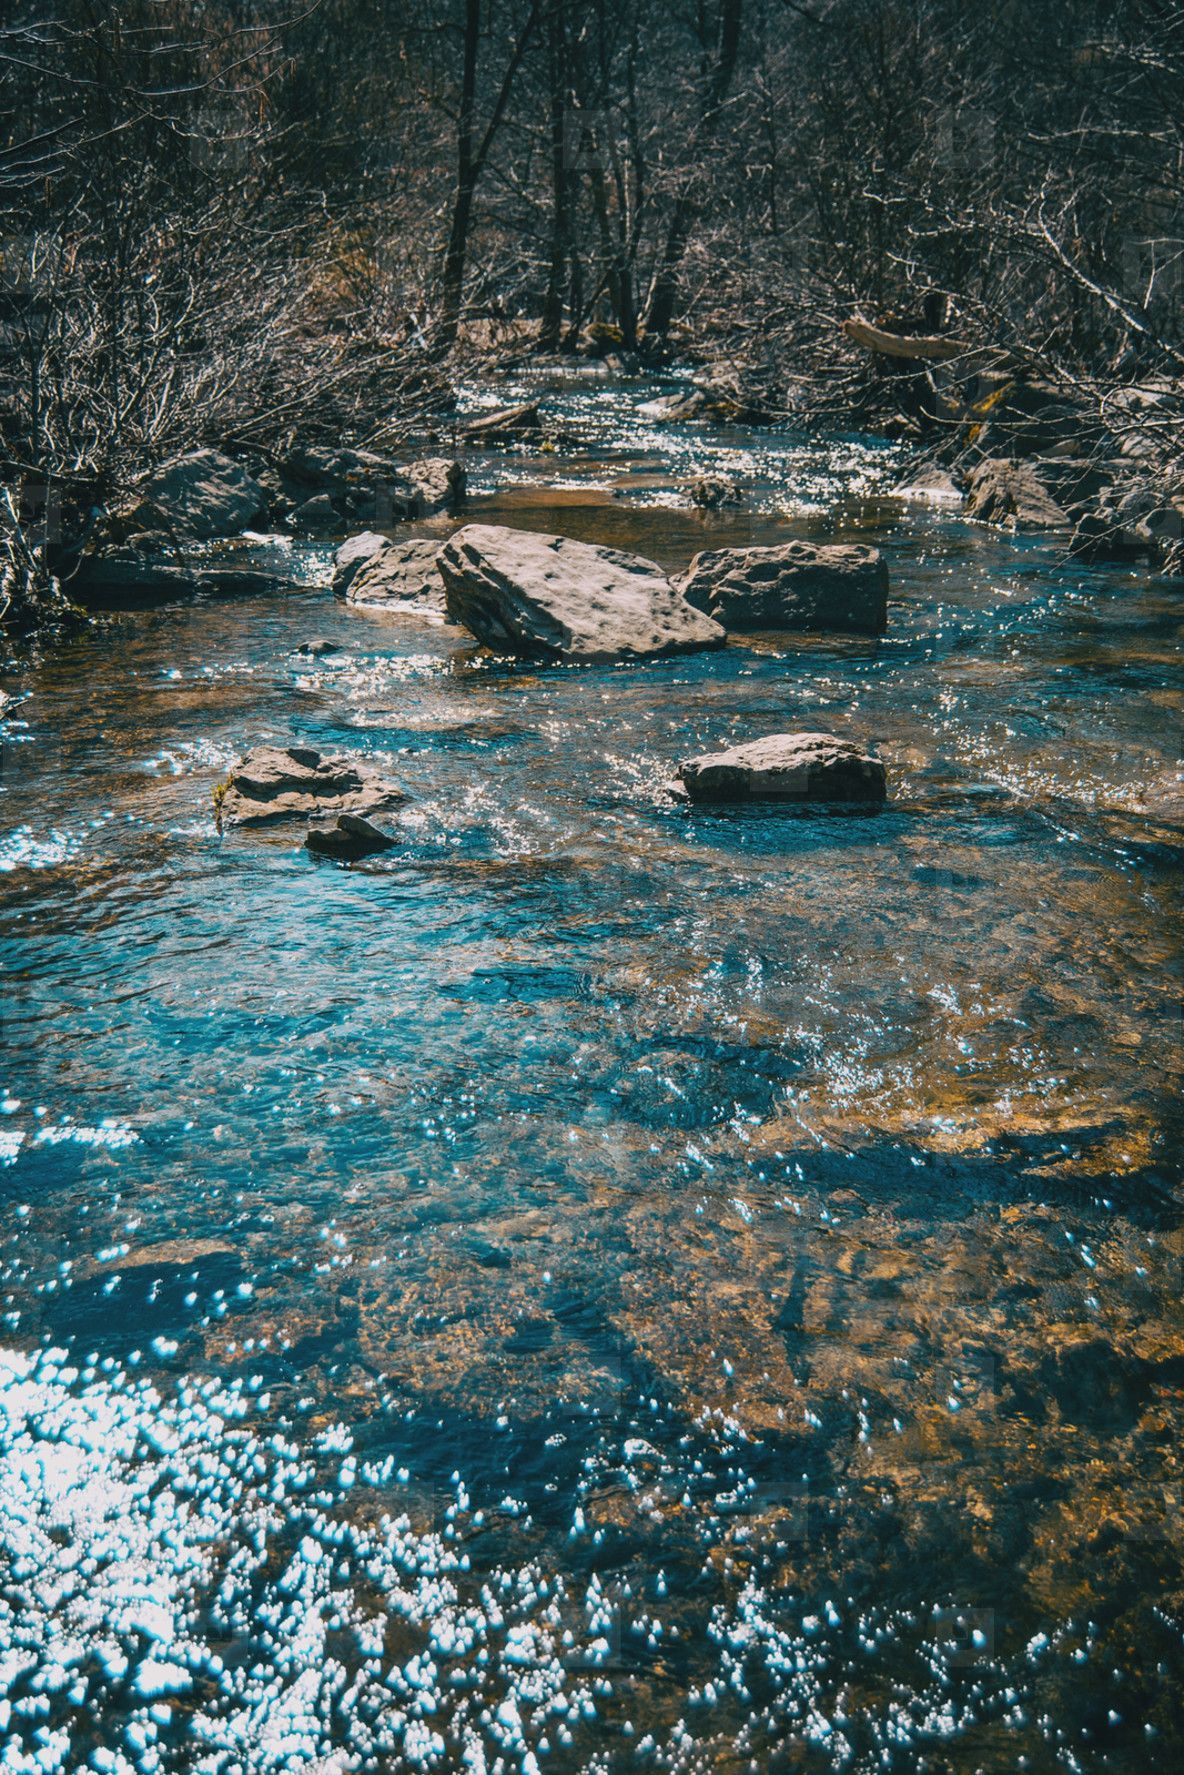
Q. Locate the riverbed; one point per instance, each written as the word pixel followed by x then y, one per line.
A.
pixel 603 1285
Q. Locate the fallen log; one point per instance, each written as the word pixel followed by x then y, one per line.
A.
pixel 923 348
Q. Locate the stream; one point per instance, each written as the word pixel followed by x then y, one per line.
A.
pixel 604 1285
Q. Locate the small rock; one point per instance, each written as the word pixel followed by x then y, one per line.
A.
pixel 712 491
pixel 935 486
pixel 525 593
pixel 349 837
pixel 813 767
pixel 317 649
pixel 508 425
pixel 797 585
pixel 294 782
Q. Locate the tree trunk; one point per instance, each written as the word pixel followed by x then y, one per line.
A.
pixel 453 282
pixel 551 328
pixel 664 293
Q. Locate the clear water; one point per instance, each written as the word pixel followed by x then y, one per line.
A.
pixel 601 1287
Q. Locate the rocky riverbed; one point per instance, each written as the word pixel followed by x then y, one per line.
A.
pixel 601 1280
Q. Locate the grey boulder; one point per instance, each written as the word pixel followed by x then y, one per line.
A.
pixel 520 591
pixel 295 782
pixel 201 495
pixel 396 575
pixel 811 767
pixel 350 557
pixel 797 585
pixel 439 483
pixel 525 593
pixel 1013 494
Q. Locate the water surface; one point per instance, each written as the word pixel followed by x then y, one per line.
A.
pixel 601 1286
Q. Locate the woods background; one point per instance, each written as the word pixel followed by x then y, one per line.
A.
pixel 224 221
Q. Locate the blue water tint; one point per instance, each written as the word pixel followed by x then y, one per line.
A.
pixel 600 1285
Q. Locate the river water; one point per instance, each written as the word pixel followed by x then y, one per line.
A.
pixel 602 1286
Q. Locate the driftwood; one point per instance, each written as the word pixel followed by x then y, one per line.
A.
pixel 931 348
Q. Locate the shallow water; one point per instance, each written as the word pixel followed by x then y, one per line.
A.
pixel 602 1286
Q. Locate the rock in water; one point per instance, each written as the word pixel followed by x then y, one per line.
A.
pixel 798 585
pixel 815 767
pixel 349 837
pixel 201 495
pixel 524 593
pixel 712 491
pixel 294 782
pixel 399 574
pixel 351 555
pixel 439 483
pixel 1013 493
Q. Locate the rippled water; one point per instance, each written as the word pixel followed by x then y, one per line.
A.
pixel 601 1286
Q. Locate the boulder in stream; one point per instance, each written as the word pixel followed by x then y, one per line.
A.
pixel 521 592
pixel 390 575
pixel 200 495
pixel 1012 493
pixel 295 782
pixel 796 585
pixel 810 767
pixel 710 492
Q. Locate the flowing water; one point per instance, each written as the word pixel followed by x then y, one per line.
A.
pixel 602 1286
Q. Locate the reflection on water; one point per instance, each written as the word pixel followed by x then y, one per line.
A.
pixel 600 1286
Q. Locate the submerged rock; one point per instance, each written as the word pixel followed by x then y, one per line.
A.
pixel 200 495
pixel 797 585
pixel 397 574
pixel 318 648
pixel 521 592
pixel 1012 493
pixel 712 491
pixel 294 782
pixel 349 837
pixel 816 767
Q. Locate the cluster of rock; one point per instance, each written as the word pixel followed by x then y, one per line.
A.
pixel 205 495
pixel 1029 458
pixel 344 802
pixel 346 806
pixel 536 595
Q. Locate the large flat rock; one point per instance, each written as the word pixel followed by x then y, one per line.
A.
pixel 521 592
pixel 797 585
pixel 294 782
pixel 814 767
